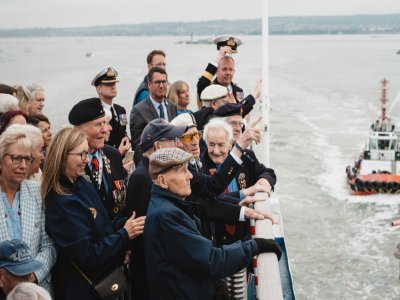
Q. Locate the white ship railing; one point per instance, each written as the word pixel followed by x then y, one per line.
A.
pixel 269 282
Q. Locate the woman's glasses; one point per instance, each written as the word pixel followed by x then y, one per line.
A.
pixel 83 154
pixel 17 159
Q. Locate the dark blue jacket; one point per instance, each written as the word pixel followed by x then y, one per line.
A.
pixel 81 229
pixel 181 263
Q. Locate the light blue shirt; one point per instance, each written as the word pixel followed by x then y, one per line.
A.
pixel 164 107
pixel 13 216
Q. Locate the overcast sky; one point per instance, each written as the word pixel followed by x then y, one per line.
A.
pixel 71 13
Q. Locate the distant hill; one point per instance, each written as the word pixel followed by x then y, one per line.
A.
pixel 357 24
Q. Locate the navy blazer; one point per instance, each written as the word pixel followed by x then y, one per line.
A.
pixel 80 227
pixel 182 264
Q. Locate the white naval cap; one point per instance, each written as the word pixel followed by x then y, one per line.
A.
pixel 214 92
pixel 185 119
pixel 227 40
pixel 105 75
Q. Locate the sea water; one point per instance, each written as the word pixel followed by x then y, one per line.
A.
pixel 324 92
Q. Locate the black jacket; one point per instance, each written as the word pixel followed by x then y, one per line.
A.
pixel 118 125
pixel 114 199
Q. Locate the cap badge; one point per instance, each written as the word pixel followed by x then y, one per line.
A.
pixel 110 73
pixel 231 42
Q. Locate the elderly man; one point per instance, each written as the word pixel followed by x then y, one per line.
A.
pixel 153 107
pixel 36 101
pixel 182 264
pixel 155 58
pixel 105 168
pixel 16 265
pixel 105 82
pixel 160 134
pixel 253 176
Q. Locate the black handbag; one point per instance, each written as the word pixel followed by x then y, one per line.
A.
pixel 111 286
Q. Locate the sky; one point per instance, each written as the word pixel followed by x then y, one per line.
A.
pixel 77 13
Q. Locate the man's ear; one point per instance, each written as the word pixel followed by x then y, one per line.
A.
pixel 162 181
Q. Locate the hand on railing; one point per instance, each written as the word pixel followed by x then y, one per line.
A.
pixel 268 245
pixel 255 214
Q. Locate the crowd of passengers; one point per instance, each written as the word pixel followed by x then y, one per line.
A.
pixel 168 208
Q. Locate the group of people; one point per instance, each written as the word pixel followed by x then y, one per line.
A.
pixel 168 208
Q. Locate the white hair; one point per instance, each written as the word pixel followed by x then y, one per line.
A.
pixel 33 89
pixel 32 133
pixel 28 291
pixel 216 123
pixel 7 103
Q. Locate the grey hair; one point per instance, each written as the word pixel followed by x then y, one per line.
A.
pixel 33 133
pixel 7 103
pixel 14 134
pixel 33 88
pixel 28 291
pixel 216 123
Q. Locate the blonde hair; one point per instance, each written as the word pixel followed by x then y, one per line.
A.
pixel 66 140
pixel 173 91
pixel 28 291
pixel 23 95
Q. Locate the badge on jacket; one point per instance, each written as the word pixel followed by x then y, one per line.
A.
pixel 123 120
pixel 93 211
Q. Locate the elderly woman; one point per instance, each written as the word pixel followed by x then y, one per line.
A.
pixel 89 247
pixel 181 263
pixel 179 94
pixel 21 202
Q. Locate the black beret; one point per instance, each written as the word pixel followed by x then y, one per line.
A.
pixel 229 109
pixel 85 111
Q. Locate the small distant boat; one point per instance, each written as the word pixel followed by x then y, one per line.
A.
pixel 398 52
pixel 89 54
pixel 378 168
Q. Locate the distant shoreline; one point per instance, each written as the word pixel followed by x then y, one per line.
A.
pixel 326 25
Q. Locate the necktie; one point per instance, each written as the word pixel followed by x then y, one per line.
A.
pixel 161 111
pixel 114 117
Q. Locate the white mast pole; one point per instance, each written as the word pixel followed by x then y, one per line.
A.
pixel 269 281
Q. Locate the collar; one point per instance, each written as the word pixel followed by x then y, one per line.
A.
pixel 97 154
pixel 107 106
pixel 188 207
pixel 156 104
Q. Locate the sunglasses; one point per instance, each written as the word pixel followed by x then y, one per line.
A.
pixel 189 137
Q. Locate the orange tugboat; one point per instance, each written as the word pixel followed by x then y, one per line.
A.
pixel 378 168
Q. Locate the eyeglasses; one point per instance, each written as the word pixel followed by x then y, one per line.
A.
pixel 189 137
pixel 83 154
pixel 160 82
pixel 17 159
